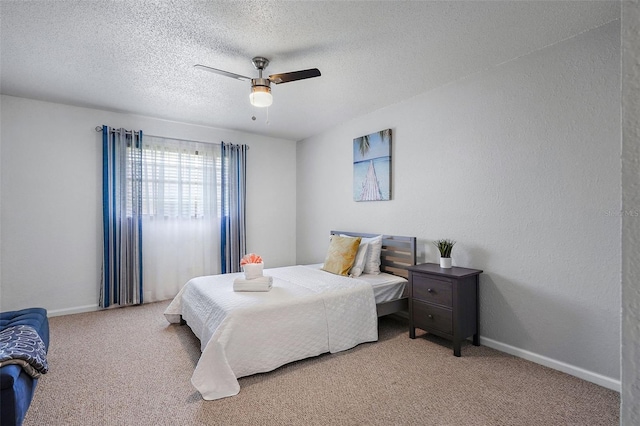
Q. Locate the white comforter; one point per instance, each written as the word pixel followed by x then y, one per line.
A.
pixel 307 312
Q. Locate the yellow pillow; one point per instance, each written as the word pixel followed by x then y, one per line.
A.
pixel 341 254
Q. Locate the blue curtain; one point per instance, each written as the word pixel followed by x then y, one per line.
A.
pixel 233 238
pixel 122 217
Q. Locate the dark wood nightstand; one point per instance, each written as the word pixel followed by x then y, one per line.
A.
pixel 444 302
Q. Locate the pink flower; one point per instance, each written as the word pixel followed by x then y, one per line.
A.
pixel 250 258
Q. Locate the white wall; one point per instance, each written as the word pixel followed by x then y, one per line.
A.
pixel 630 409
pixel 51 217
pixel 520 164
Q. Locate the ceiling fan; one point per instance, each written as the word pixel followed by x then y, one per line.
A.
pixel 261 87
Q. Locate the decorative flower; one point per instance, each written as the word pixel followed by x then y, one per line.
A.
pixel 250 258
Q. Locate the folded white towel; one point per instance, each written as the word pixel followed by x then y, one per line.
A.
pixel 263 283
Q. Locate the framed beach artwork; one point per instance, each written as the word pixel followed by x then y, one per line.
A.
pixel 372 167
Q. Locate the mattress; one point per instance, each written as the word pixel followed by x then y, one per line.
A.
pixel 386 287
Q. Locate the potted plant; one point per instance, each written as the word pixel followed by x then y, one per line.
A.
pixel 444 247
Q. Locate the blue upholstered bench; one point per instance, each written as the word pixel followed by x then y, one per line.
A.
pixel 16 386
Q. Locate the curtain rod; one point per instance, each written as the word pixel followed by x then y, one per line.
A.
pixel 113 130
pixel 99 129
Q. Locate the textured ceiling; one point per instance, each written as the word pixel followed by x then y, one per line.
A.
pixel 138 56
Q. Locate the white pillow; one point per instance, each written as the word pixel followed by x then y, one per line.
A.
pixel 361 257
pixel 372 264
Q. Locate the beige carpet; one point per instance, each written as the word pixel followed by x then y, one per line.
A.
pixel 130 367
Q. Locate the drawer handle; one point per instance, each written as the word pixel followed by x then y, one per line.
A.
pixel 430 316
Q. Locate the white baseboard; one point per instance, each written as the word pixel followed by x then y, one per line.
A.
pixel 69 311
pixel 581 373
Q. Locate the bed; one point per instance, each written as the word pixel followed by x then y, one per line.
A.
pixel 307 312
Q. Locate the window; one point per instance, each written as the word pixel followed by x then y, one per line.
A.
pixel 179 179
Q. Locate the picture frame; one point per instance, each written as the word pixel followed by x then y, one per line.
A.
pixel 372 167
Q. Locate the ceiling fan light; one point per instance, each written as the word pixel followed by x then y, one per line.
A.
pixel 261 96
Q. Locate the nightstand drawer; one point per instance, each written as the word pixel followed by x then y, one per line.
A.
pixel 432 290
pixel 428 317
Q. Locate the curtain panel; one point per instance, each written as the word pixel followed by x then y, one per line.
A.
pixel 122 273
pixel 233 238
pixel 179 214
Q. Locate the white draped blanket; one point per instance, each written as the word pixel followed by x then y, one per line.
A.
pixel 307 312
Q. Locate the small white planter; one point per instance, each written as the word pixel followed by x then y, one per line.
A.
pixel 445 262
pixel 253 270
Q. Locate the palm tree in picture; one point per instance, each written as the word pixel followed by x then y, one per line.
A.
pixel 363 142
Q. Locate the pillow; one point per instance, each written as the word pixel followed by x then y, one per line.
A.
pixel 361 257
pixel 341 254
pixel 372 262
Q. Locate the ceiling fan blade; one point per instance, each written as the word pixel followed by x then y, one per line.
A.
pixel 294 76
pixel 222 72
